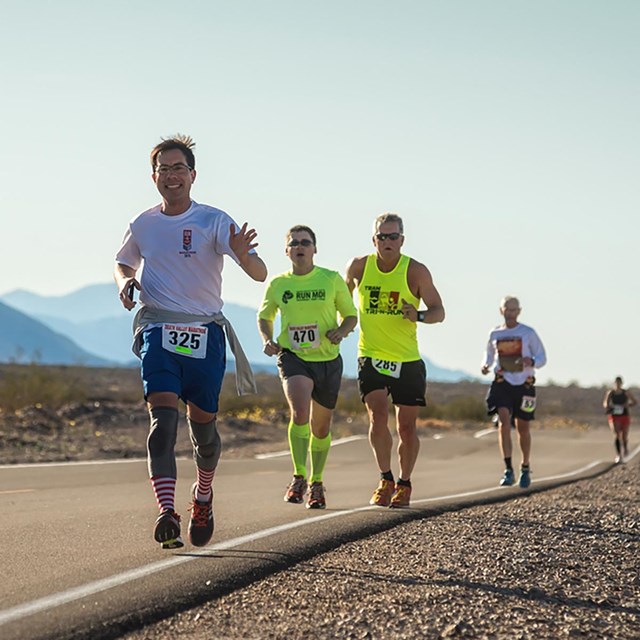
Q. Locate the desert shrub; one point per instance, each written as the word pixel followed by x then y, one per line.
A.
pixel 458 408
pixel 349 401
pixel 269 399
pixel 466 408
pixel 32 384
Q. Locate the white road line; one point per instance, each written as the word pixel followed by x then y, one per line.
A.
pixel 478 492
pixel 4 493
pixel 50 602
pixel 91 588
pixel 280 454
pixel 485 432
pixel 77 463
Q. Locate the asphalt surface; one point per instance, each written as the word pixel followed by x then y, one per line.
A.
pixel 82 561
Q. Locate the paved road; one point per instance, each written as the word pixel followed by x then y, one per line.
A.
pixel 78 557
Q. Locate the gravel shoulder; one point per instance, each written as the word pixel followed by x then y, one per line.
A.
pixel 556 564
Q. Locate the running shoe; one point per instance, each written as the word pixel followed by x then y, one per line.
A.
pixel 508 478
pixel 296 490
pixel 201 520
pixel 618 459
pixel 525 477
pixel 316 496
pixel 382 495
pixel 167 530
pixel 401 497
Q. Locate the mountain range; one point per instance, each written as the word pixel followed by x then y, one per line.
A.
pixel 90 327
pixel 25 339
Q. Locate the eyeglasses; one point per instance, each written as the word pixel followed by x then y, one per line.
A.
pixel 297 243
pixel 180 168
pixel 388 236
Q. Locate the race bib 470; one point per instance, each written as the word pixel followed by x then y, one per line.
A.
pixel 304 336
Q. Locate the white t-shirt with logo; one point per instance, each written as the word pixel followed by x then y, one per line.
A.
pixel 181 257
pixel 506 349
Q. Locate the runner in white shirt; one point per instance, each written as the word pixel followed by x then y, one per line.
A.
pixel 514 351
pixel 179 328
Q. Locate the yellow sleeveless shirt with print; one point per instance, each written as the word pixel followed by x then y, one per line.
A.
pixel 384 333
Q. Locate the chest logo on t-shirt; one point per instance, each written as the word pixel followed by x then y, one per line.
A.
pixel 379 301
pixel 510 354
pixel 187 246
pixel 310 295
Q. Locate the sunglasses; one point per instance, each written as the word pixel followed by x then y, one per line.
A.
pixel 297 243
pixel 388 236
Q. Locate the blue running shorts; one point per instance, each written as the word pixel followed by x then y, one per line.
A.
pixel 193 380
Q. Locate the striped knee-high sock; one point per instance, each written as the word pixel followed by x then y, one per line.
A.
pixel 205 480
pixel 164 489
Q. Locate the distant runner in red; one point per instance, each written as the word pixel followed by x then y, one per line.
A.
pixel 616 403
pixel 514 351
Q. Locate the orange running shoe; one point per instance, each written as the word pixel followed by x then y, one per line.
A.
pixel 296 490
pixel 316 496
pixel 401 497
pixel 382 495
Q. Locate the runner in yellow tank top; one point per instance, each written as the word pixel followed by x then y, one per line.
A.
pixel 391 287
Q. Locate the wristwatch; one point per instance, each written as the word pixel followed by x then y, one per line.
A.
pixel 420 316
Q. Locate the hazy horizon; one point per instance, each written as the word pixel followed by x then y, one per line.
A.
pixel 504 133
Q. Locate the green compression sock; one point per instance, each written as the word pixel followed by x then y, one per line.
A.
pixel 319 453
pixel 299 445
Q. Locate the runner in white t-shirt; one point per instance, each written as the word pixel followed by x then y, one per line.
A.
pixel 514 351
pixel 180 330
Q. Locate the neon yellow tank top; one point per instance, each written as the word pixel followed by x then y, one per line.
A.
pixel 384 333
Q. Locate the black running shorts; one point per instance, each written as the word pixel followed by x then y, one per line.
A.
pixel 326 376
pixel 519 399
pixel 409 389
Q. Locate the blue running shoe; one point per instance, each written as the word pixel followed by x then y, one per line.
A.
pixel 508 478
pixel 525 477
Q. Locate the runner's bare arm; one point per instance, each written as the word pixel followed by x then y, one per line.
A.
pixel 346 327
pixel 126 282
pixel 265 328
pixel 421 284
pixel 355 270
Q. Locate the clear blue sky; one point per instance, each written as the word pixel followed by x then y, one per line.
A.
pixel 505 132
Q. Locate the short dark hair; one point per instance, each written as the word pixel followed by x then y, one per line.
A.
pixel 301 227
pixel 178 141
